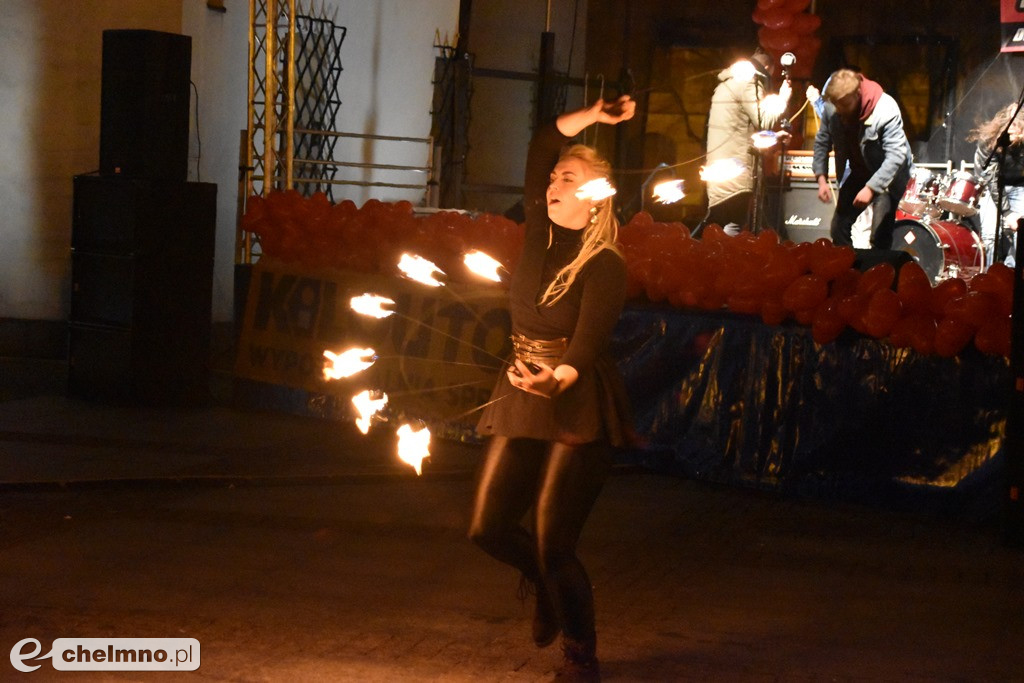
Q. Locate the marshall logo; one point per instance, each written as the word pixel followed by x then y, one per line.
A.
pixel 802 220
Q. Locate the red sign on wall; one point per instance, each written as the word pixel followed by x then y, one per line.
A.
pixel 1012 17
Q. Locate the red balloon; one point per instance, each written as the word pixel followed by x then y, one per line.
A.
pixel 806 23
pixel 883 310
pixel 807 292
pixel 944 291
pixel 830 261
pixel 951 337
pixel 828 323
pixel 845 283
pixel 994 337
pixel 878 276
pixel 921 330
pixel 781 270
pixel 914 287
pixel 996 285
pixel 777 18
pixel 772 310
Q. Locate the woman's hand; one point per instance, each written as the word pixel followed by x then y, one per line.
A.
pixel 622 109
pixel 615 112
pixel 543 382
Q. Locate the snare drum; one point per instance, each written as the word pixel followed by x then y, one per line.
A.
pixel 943 249
pixel 922 193
pixel 960 194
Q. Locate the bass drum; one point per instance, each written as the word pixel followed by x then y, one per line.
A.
pixel 942 248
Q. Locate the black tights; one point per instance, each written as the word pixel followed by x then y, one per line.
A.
pixel 562 483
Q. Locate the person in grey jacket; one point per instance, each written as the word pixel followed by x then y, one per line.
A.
pixel 864 126
pixel 738 109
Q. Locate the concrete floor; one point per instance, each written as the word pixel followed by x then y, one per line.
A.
pixel 295 549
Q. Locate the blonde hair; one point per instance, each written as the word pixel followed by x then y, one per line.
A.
pixel 600 233
pixel 987 132
pixel 840 84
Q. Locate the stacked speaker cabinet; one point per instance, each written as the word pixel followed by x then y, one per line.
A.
pixel 802 217
pixel 142 237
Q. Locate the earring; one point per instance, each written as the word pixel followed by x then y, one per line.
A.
pixel 593 215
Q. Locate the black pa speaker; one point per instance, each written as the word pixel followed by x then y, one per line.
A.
pixel 804 218
pixel 142 289
pixel 144 104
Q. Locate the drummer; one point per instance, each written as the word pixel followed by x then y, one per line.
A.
pixel 864 126
pixel 1007 169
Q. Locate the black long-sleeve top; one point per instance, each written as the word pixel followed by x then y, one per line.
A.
pixel 595 406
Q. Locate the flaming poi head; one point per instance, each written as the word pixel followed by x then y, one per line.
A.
pixel 764 139
pixel 668 191
pixel 348 362
pixel 413 446
pixel 721 170
pixel 483 265
pixel 371 305
pixel 773 104
pixel 595 190
pixel 743 70
pixel 368 404
pixel 420 269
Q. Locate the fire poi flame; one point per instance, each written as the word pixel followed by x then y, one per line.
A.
pixel 348 363
pixel 368 406
pixel 420 269
pixel 413 446
pixel 595 190
pixel 372 305
pixel 483 265
pixel 668 191
pixel 764 139
pixel 773 104
pixel 721 170
pixel 743 70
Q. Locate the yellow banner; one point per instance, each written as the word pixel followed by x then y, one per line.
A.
pixel 438 355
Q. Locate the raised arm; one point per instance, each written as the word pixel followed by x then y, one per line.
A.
pixel 572 123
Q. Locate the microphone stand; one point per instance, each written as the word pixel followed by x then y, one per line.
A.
pixel 784 125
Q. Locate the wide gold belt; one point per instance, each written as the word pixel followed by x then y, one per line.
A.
pixel 547 351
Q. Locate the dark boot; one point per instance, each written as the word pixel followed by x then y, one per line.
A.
pixel 579 663
pixel 545 619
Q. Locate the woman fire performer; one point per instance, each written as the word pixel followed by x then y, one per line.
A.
pixel 561 405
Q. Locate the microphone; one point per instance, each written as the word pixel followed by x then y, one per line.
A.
pixel 787 60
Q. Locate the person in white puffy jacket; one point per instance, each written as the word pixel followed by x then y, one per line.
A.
pixel 738 110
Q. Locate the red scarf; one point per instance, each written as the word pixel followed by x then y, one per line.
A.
pixel 870 93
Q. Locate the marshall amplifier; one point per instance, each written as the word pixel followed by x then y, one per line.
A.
pixel 803 217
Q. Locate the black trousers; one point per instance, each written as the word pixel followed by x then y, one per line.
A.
pixel 883 216
pixel 560 483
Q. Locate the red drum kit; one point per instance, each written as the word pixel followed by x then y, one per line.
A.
pixel 942 245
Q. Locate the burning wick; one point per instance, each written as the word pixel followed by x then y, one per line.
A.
pixel 773 104
pixel 367 406
pixel 483 265
pixel 668 192
pixel 595 190
pixel 413 446
pixel 372 305
pixel 764 139
pixel 742 70
pixel 348 363
pixel 721 170
pixel 420 269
